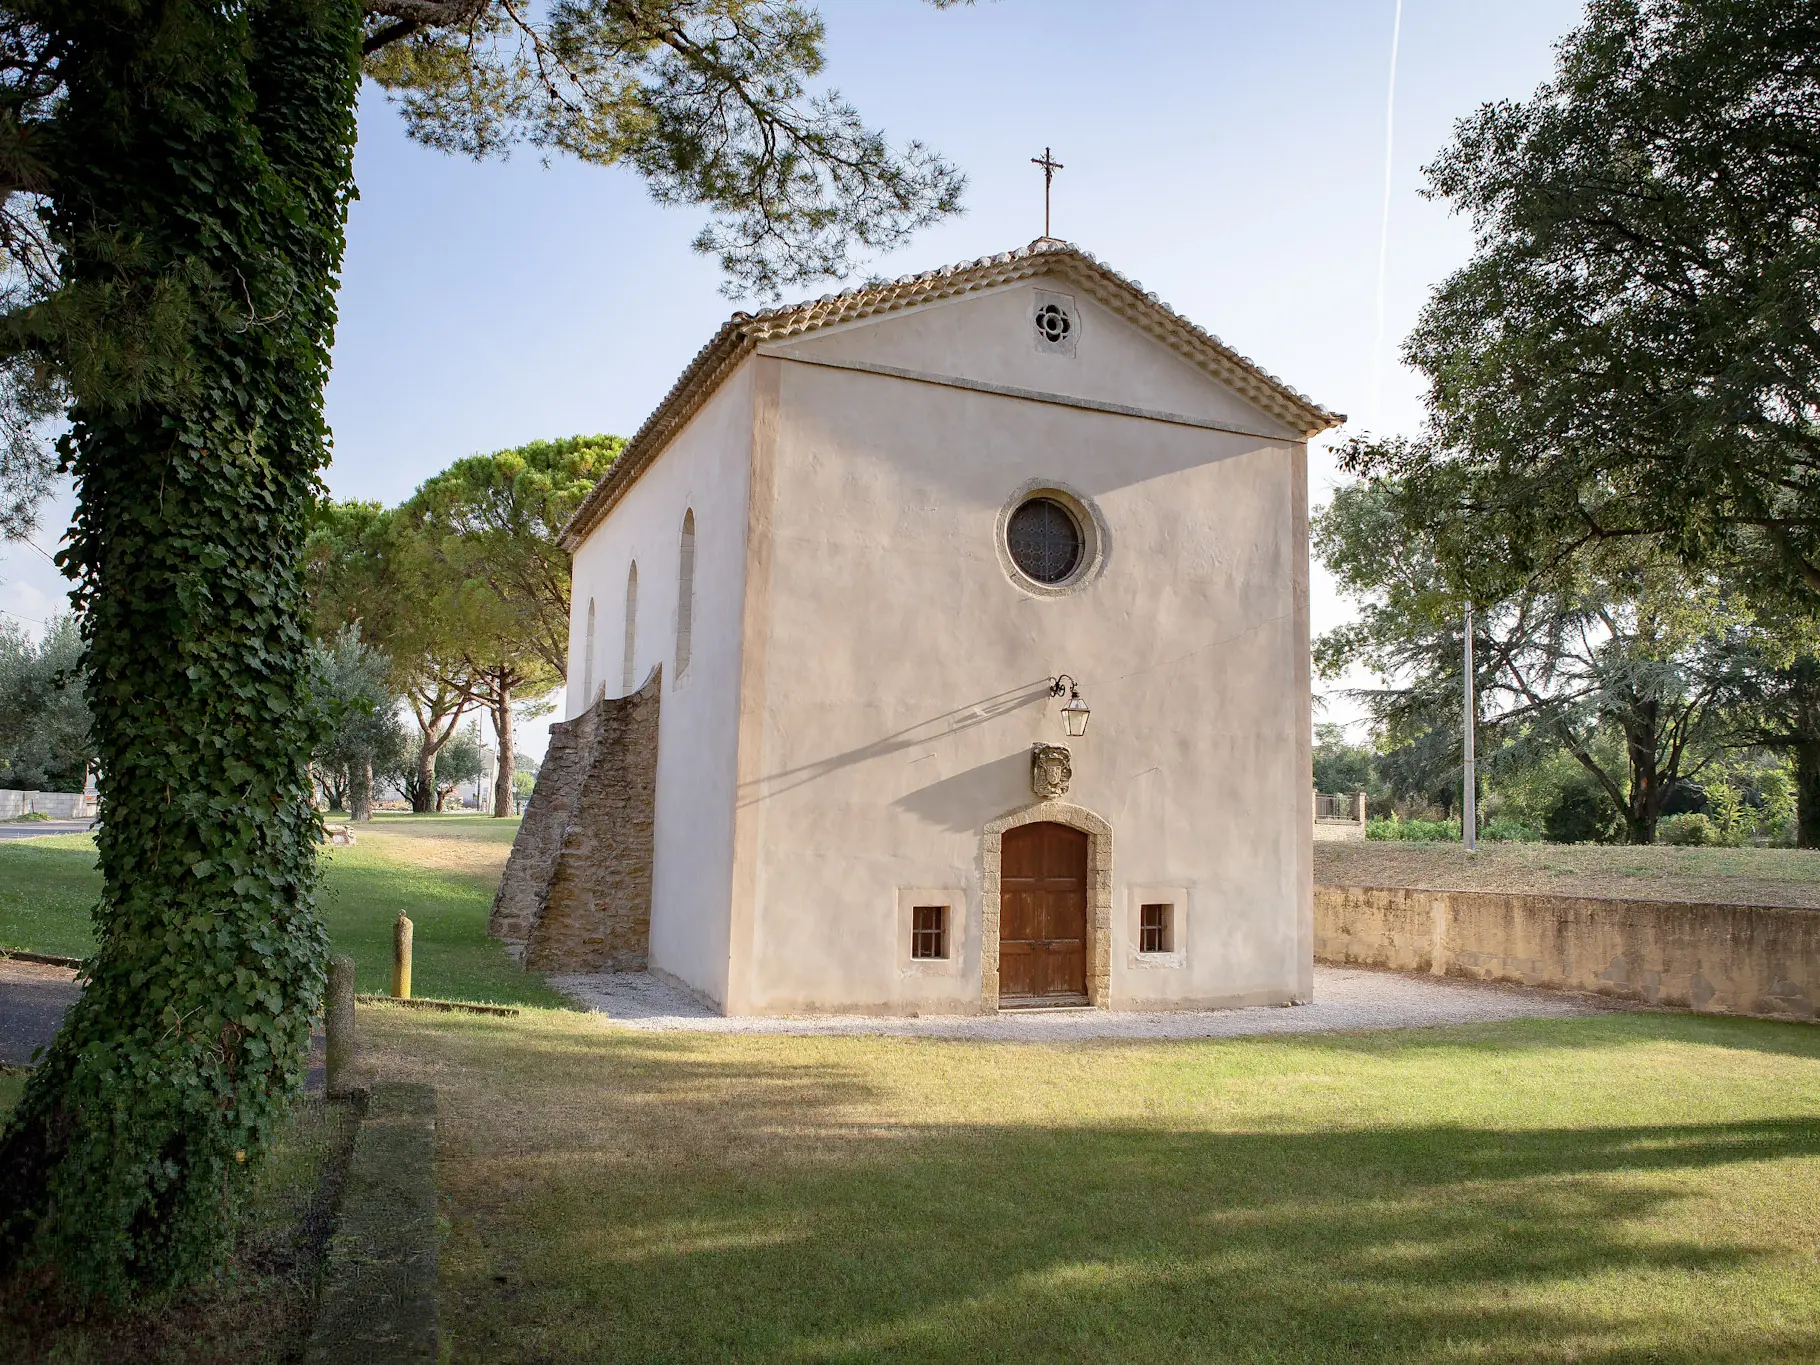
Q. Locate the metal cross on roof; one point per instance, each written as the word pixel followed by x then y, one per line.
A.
pixel 1050 166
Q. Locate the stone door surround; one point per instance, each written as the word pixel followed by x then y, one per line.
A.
pixel 1099 895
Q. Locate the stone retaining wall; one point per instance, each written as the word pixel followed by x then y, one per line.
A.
pixel 576 894
pixel 1724 959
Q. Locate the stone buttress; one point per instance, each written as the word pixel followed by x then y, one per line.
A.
pixel 576 895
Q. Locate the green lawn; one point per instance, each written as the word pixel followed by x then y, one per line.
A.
pixel 1627 1187
pixel 1732 876
pixel 440 870
pixel 47 888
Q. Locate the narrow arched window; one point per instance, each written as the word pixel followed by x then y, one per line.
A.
pixel 685 594
pixel 587 661
pixel 628 671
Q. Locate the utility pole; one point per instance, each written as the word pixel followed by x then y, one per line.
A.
pixel 1469 809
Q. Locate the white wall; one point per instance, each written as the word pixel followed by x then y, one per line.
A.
pixel 705 468
pixel 57 805
pixel 903 672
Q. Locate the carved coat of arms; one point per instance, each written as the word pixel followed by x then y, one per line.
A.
pixel 1050 771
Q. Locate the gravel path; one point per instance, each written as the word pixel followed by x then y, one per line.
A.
pixel 1345 998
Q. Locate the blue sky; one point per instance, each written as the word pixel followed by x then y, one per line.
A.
pixel 1229 155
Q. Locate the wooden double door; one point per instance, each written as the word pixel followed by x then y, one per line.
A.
pixel 1042 933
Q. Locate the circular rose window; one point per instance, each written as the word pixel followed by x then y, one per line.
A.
pixel 1045 540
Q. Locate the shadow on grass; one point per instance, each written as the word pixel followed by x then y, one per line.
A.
pixel 752 1211
pixel 1022 1244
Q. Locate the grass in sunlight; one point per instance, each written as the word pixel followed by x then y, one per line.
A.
pixel 441 870
pixel 1616 1188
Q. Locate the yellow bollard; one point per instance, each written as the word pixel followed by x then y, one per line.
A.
pixel 401 958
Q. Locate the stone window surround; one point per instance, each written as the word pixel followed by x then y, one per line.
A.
pixel 1065 345
pixel 955 899
pixel 1099 895
pixel 1096 539
pixel 1176 898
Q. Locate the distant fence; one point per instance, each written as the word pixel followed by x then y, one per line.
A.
pixel 1339 817
pixel 1723 959
pixel 57 805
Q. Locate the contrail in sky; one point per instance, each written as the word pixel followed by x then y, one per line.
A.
pixel 1390 142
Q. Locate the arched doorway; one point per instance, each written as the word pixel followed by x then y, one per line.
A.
pixel 1042 940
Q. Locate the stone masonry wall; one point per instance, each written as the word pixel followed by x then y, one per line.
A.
pixel 1723 959
pixel 576 895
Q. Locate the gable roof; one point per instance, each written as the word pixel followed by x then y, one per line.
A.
pixel 743 332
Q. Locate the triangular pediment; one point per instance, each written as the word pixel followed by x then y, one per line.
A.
pixel 968 323
pixel 993 339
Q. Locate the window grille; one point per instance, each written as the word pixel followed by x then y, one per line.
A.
pixel 929 932
pixel 1153 928
pixel 1044 540
pixel 1053 323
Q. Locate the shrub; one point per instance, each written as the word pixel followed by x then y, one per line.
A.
pixel 1779 806
pixel 1730 817
pixel 1414 831
pixel 1688 831
pixel 1581 815
pixel 1505 830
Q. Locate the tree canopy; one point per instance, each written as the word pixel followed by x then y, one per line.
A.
pixel 1619 637
pixel 361 735
pixel 44 720
pixel 1631 351
pixel 494 521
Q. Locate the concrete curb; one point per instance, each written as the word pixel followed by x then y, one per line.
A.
pixel 378 1304
pixel 42 959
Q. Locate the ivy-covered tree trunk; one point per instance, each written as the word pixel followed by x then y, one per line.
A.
pixel 204 167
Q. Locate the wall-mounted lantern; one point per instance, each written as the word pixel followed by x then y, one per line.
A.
pixel 1075 712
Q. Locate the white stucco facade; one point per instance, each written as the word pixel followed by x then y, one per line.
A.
pixel 868 669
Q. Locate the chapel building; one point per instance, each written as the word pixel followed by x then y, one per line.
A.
pixel 941 646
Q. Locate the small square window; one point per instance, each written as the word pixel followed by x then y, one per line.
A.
pixel 1153 928
pixel 929 932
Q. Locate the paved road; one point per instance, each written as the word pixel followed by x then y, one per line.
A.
pixel 1344 998
pixel 32 1000
pixel 37 829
